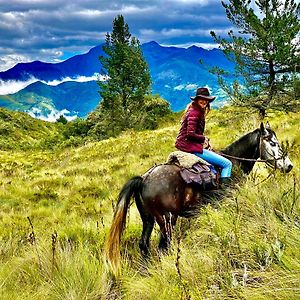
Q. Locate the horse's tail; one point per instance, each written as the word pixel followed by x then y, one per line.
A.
pixel 112 251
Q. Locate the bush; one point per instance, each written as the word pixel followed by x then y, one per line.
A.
pixel 78 127
pixel 105 123
pixel 62 120
pixel 154 110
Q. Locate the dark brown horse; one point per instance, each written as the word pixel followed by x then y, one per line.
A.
pixel 161 194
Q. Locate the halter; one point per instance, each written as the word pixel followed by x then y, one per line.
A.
pixel 267 161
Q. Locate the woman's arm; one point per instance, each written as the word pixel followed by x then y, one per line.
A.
pixel 192 121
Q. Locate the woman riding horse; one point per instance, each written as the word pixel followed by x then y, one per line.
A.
pixel 191 138
pixel 161 195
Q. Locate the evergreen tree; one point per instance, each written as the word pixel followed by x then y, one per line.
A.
pixel 266 53
pixel 62 119
pixel 128 79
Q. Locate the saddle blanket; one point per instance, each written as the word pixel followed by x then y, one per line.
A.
pixel 195 170
pixel 185 159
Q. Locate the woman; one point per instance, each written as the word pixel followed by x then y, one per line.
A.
pixel 191 139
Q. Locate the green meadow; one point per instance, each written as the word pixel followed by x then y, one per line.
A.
pixel 57 202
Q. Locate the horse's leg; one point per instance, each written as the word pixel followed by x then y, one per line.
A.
pixel 166 224
pixel 148 224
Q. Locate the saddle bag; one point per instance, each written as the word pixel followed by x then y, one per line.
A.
pixel 205 176
pixel 195 170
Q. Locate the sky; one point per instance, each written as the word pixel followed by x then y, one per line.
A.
pixel 54 30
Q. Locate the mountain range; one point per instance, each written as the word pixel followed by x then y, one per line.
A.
pixel 176 73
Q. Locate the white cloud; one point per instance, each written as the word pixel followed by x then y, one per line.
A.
pixel 10 60
pixel 188 87
pixel 14 86
pixel 207 46
pixel 179 87
pixel 175 32
pixel 96 76
pixel 199 2
pixel 52 116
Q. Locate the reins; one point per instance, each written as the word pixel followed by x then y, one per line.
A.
pixel 253 159
pixel 249 159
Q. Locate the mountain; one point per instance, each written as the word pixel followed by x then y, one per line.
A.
pixel 84 64
pixel 176 73
pixel 40 99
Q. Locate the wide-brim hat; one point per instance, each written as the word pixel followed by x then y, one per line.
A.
pixel 203 93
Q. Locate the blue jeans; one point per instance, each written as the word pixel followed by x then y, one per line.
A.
pixel 217 160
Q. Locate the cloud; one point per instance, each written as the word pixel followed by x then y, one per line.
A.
pixel 207 46
pixel 47 29
pixel 175 32
pixel 13 86
pixel 96 76
pixel 188 87
pixel 10 60
pixel 52 116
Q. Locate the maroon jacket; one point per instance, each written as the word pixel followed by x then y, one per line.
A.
pixel 190 137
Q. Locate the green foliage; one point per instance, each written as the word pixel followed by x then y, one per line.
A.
pixel 78 127
pixel 128 80
pixel 20 131
pixel 154 110
pixel 149 115
pixel 62 120
pixel 296 87
pixel 266 51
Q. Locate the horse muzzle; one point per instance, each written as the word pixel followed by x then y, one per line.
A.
pixel 284 165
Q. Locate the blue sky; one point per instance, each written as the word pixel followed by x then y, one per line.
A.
pixel 53 30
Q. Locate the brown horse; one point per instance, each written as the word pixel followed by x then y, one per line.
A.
pixel 161 194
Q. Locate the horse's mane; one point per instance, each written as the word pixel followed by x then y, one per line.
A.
pixel 244 145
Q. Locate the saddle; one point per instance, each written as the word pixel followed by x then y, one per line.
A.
pixel 195 170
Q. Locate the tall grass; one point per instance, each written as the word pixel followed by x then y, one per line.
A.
pixel 245 247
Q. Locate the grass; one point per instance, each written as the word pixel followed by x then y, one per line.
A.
pixel 57 205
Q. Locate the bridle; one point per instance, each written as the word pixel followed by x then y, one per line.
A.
pixel 267 161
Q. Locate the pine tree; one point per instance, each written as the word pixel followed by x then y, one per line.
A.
pixel 266 52
pixel 128 78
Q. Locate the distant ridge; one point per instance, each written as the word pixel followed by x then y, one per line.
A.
pixel 176 73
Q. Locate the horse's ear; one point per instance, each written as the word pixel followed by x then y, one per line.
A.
pixel 268 125
pixel 263 128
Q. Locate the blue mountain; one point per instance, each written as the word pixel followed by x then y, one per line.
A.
pixel 77 98
pixel 84 64
pixel 176 73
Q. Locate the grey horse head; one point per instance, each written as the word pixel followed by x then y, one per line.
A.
pixel 270 150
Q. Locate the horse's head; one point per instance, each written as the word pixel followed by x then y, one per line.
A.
pixel 271 151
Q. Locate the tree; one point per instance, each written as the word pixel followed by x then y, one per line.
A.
pixel 128 78
pixel 266 52
pixel 62 119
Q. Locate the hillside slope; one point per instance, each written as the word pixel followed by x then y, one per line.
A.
pixel 20 131
pixel 56 209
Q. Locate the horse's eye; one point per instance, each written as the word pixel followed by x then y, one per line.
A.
pixel 272 144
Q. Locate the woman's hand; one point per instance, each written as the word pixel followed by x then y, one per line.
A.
pixel 206 144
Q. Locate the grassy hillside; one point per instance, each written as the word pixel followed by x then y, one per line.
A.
pixel 56 209
pixel 19 131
